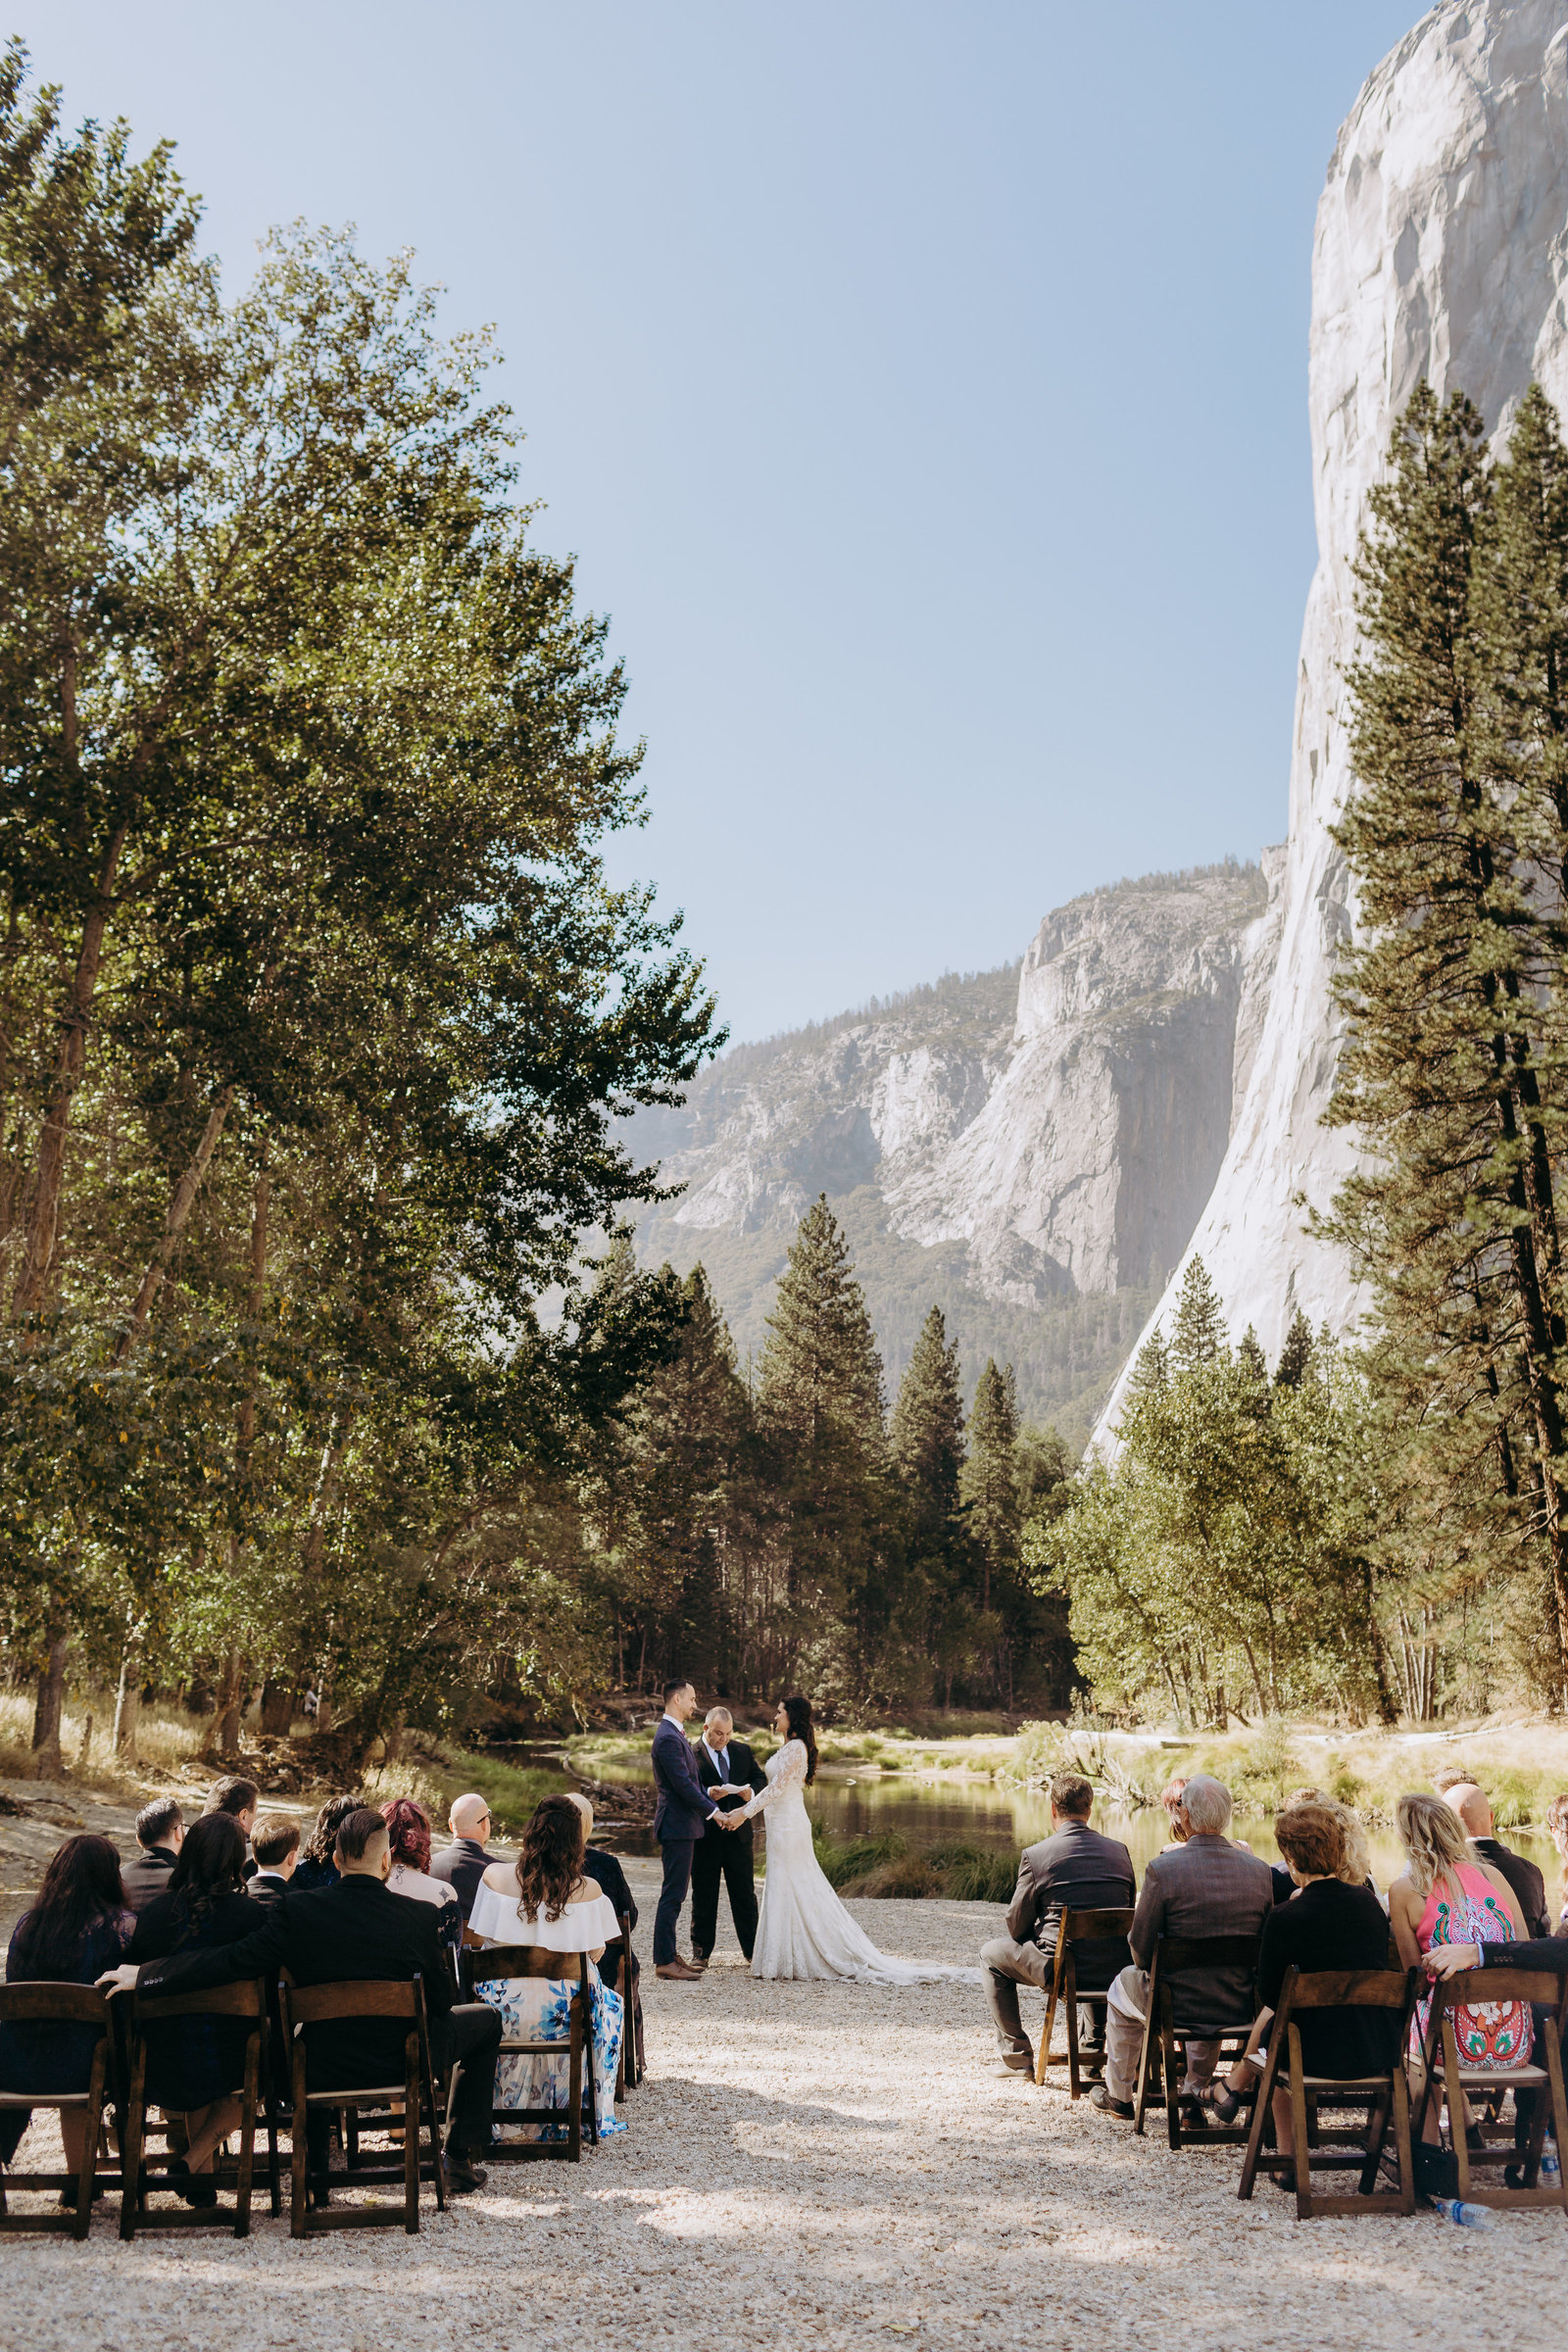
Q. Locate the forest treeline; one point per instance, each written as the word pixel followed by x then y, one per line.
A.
pixel 317 1012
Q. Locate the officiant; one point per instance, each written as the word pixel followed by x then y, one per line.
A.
pixel 724 1763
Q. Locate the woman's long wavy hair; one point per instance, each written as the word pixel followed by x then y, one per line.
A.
pixel 330 1819
pixel 82 1885
pixel 1433 1835
pixel 212 1862
pixel 799 1712
pixel 407 1829
pixel 1557 1824
pixel 550 1862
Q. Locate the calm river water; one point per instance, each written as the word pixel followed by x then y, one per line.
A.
pixel 941 1810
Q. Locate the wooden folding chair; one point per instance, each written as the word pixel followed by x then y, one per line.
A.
pixel 1385 2095
pixel 1075 1930
pixel 399 2001
pixel 60 2005
pixel 1443 2065
pixel 493 1966
pixel 1164 2040
pixel 248 2002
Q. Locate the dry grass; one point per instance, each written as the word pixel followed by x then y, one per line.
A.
pixel 166 1740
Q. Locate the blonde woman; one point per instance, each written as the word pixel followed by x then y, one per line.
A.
pixel 1557 1824
pixel 1446 1896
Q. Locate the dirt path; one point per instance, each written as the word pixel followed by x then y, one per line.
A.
pixel 821 2164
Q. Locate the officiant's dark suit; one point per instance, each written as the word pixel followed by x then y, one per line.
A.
pixel 725 1854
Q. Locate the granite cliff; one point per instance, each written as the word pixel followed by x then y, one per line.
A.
pixel 1441 251
pixel 1028 1147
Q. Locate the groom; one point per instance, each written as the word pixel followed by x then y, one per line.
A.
pixel 728 1770
pixel 680 1820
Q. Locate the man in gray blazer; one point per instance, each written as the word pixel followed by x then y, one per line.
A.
pixel 1075 1868
pixel 1207 1887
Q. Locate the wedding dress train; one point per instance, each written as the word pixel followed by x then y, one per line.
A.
pixel 804 1930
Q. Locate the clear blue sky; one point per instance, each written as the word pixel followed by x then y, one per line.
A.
pixel 921 388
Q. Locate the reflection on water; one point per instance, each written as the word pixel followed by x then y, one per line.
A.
pixel 946 1809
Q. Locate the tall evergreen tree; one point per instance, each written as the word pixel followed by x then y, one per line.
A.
pixel 991 1486
pixel 820 1411
pixel 927 1445
pixel 1455 1058
pixel 1295 1354
pixel 1198 1337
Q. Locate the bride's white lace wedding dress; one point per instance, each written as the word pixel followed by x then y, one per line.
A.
pixel 804 1930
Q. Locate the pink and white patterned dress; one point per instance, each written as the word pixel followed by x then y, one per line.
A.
pixel 1487 2032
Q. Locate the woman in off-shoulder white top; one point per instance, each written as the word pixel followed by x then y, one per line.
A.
pixel 544 1900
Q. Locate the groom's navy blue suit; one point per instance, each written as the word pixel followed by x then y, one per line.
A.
pixel 679 1820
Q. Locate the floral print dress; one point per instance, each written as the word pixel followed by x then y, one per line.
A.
pixel 1487 2032
pixel 539 2008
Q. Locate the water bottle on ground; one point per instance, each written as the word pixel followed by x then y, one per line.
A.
pixel 1550 2164
pixel 1464 2216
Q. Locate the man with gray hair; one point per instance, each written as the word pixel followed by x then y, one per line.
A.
pixel 1206 1886
pixel 728 1772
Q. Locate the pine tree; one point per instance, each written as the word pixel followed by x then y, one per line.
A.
pixel 1295 1354
pixel 1251 1361
pixel 1199 1334
pixel 991 1487
pixel 820 1409
pixel 1454 1061
pixel 927 1443
pixel 1151 1370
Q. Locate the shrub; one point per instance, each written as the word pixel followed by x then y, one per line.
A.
pixel 975 1874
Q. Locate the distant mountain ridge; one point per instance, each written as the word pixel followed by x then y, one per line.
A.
pixel 1028 1147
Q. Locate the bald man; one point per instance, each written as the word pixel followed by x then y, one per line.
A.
pixel 1474 1809
pixel 463 1863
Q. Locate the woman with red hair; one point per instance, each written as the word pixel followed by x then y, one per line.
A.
pixel 407 1827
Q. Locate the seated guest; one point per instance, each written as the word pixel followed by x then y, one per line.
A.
pixel 1170 1797
pixel 159 1835
pixel 608 1876
pixel 317 1864
pixel 1075 1868
pixel 1203 1885
pixel 239 1797
pixel 353 1930
pixel 1356 1866
pixel 463 1863
pixel 1557 1825
pixel 545 1899
pixel 1444 1896
pixel 276 1844
pixel 1474 1809
pixel 407 1829
pixel 612 1880
pixel 1331 1924
pixel 195 2065
pixel 78 1924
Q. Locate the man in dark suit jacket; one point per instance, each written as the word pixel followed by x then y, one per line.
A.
pixel 1075 1868
pixel 1207 1887
pixel 159 1835
pixel 681 1815
pixel 463 1863
pixel 338 1934
pixel 1474 1809
pixel 725 1762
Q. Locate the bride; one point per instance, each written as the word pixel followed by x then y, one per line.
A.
pixel 804 1930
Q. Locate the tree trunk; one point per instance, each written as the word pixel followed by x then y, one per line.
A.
pixel 43 1222
pixel 48 1763
pixel 127 1703
pixel 226 1713
pixel 174 1224
pixel 277 1707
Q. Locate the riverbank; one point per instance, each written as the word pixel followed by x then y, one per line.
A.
pixel 832 2166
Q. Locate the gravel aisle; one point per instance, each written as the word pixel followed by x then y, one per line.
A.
pixel 821 2164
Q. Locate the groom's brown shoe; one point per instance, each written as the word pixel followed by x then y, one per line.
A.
pixel 679 1972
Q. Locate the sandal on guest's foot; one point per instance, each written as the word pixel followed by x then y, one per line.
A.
pixel 1223 2103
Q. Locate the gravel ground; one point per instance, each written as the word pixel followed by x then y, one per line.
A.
pixel 821 2165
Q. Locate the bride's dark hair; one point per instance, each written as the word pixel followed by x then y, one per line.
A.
pixel 799 1712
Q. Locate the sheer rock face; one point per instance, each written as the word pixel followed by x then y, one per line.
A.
pixel 1441 251
pixel 1069 1146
